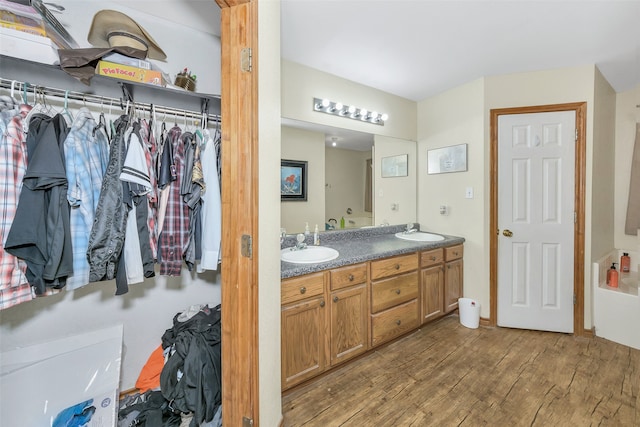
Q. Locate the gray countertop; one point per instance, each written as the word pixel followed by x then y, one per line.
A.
pixel 361 245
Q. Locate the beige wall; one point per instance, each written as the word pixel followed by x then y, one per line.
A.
pixel 270 406
pixel 398 190
pixel 627 115
pixel 603 171
pixel 345 178
pixel 300 144
pixel 302 84
pixel 451 118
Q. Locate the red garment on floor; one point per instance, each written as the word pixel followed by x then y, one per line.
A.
pixel 149 377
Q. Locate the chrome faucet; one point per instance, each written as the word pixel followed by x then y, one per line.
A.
pixel 301 244
pixel 410 229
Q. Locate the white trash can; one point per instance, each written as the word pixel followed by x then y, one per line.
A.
pixel 469 310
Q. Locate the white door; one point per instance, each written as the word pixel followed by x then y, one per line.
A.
pixel 536 163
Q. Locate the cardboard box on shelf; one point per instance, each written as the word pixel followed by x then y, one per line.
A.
pixel 19 44
pixel 127 72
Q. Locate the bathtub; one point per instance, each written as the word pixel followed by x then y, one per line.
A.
pixel 616 311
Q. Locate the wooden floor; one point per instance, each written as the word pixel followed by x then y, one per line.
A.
pixel 448 375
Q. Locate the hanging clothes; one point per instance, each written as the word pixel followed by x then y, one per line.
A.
pixel 191 189
pixel 173 239
pixel 211 204
pixel 108 230
pixel 14 286
pixel 151 157
pixel 40 233
pixel 86 159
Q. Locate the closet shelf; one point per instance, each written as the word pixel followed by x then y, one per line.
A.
pixel 51 75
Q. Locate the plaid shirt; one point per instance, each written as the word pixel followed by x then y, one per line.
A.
pixel 86 159
pixel 173 239
pixel 14 288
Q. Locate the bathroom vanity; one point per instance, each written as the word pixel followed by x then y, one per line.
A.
pixel 379 288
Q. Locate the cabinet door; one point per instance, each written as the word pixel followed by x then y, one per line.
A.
pixel 348 323
pixel 452 285
pixel 432 293
pixel 303 340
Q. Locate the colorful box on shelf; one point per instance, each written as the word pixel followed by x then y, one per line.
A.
pixel 127 72
pixel 19 44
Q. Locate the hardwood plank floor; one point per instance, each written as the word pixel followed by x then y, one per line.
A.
pixel 449 375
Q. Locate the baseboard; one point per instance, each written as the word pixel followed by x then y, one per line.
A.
pixel 485 322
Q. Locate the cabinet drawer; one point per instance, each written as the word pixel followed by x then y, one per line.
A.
pixel 394 322
pixel 392 266
pixel 454 252
pixel 432 257
pixel 299 288
pixel 396 290
pixel 348 276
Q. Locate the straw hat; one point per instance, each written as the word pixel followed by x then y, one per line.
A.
pixel 111 28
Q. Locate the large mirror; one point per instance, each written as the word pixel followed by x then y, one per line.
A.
pixel 344 186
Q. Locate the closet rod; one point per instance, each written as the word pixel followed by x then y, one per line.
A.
pixel 103 101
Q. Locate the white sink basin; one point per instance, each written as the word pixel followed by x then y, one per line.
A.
pixel 309 255
pixel 419 236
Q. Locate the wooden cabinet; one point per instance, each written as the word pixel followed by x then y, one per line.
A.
pixel 331 316
pixel 303 329
pixel 453 274
pixel 394 297
pixel 431 284
pixel 349 312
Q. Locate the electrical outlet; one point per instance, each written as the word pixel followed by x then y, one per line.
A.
pixel 395 206
pixel 444 210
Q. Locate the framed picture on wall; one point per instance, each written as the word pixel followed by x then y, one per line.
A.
pixel 293 180
pixel 447 159
pixel 394 166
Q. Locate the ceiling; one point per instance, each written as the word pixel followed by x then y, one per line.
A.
pixel 418 48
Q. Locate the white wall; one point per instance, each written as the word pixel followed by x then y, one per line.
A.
pixel 270 406
pixel 185 45
pixel 146 312
pixel 627 115
pixel 345 178
pixel 401 191
pixel 451 118
pixel 308 146
pixel 301 84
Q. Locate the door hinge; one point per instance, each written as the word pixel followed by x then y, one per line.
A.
pixel 576 135
pixel 246 247
pixel 246 58
pixel 247 422
pixel 575 217
pixel 574 299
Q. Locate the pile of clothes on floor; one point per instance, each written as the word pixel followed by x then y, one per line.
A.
pixel 181 383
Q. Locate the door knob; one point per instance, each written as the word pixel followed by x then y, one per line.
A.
pixel 507 233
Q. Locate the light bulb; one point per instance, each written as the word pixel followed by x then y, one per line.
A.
pixel 384 117
pixel 352 109
pixel 374 116
pixel 325 103
pixel 339 106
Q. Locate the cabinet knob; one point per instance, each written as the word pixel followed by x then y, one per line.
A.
pixel 455 253
pixel 433 258
pixel 335 299
pixel 398 291
pixel 397 266
pixel 322 303
pixel 303 290
pixel 398 322
pixel 351 277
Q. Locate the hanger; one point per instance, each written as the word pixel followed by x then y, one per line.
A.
pixel 39 107
pixel 13 96
pixel 102 123
pixel 65 111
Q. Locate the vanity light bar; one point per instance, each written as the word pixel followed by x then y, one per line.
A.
pixel 349 111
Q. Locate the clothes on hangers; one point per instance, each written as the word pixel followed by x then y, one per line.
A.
pixel 14 286
pixel 211 206
pixel 40 233
pixel 86 159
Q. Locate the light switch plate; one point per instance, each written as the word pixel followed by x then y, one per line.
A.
pixel 468 193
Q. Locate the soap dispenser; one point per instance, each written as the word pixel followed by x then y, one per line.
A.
pixel 612 276
pixel 316 236
pixel 625 263
pixel 306 229
pixel 342 222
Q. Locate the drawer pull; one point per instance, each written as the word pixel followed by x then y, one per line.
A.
pixel 322 303
pixel 398 291
pixel 397 266
pixel 433 258
pixel 335 299
pixel 303 290
pixel 398 322
pixel 456 253
pixel 351 277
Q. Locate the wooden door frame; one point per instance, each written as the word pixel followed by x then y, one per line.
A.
pixel 580 109
pixel 239 277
